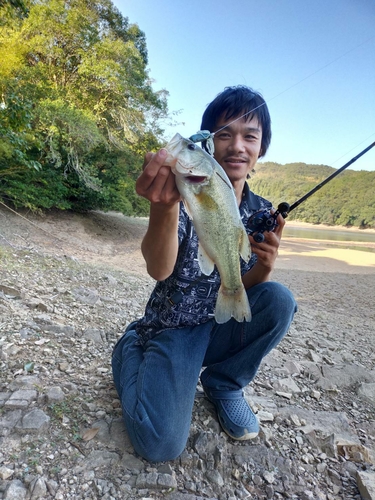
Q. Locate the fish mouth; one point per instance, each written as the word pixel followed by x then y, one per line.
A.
pixel 190 174
pixel 195 179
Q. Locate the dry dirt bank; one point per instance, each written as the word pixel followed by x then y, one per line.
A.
pixel 114 239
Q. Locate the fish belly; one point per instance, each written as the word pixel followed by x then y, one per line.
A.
pixel 222 238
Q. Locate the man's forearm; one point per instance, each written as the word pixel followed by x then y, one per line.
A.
pixel 257 274
pixel 160 244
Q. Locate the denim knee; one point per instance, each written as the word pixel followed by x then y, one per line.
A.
pixel 159 442
pixel 280 302
pixel 164 450
pixel 283 301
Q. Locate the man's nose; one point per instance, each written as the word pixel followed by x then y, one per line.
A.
pixel 237 144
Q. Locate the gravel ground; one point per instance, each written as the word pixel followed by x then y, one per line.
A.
pixel 71 283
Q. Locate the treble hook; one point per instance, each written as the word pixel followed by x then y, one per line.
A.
pixel 207 137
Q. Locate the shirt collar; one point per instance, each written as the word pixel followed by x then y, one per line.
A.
pixel 252 201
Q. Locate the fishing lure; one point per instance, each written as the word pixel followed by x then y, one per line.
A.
pixel 206 137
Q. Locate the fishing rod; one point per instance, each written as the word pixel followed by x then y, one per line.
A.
pixel 264 220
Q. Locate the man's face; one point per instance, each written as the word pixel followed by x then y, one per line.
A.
pixel 237 147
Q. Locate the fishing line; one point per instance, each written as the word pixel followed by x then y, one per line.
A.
pixel 31 222
pixel 355 147
pixel 294 85
pixel 323 67
pixel 243 116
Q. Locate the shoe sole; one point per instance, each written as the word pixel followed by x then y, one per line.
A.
pixel 245 437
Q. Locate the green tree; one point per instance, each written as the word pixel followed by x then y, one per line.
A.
pixel 11 9
pixel 76 102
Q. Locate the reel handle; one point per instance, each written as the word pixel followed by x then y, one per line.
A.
pixel 263 221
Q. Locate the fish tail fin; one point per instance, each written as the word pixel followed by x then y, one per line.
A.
pixel 232 303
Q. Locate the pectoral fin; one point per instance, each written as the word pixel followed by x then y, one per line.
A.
pixel 205 262
pixel 244 245
pixel 187 208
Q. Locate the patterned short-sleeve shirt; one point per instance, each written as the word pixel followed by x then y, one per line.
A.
pixel 197 292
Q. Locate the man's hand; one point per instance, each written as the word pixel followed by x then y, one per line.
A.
pixel 157 182
pixel 158 185
pixel 266 252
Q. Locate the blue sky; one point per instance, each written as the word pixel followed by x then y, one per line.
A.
pixel 312 60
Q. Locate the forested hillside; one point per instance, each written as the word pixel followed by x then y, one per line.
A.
pixel 347 200
pixel 77 109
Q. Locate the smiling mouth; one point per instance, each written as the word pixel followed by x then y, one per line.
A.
pixel 235 160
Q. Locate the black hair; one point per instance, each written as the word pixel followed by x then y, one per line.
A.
pixel 234 102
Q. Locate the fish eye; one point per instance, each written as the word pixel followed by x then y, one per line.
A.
pixel 191 146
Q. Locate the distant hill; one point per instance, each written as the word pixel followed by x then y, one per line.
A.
pixel 347 200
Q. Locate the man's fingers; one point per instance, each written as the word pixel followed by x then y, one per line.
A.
pixel 152 170
pixel 170 187
pixel 153 161
pixel 280 225
pixel 157 183
pixel 147 159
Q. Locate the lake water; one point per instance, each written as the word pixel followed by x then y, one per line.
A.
pixel 318 233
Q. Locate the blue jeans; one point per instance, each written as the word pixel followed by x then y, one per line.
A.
pixel 156 383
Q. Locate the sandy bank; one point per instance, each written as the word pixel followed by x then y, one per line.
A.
pixel 321 256
pixel 326 255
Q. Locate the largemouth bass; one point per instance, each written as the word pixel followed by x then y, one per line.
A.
pixel 210 201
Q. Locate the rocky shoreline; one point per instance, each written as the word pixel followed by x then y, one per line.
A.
pixel 61 431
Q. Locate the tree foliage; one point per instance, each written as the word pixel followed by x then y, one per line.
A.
pixel 347 200
pixel 77 108
pixel 10 9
